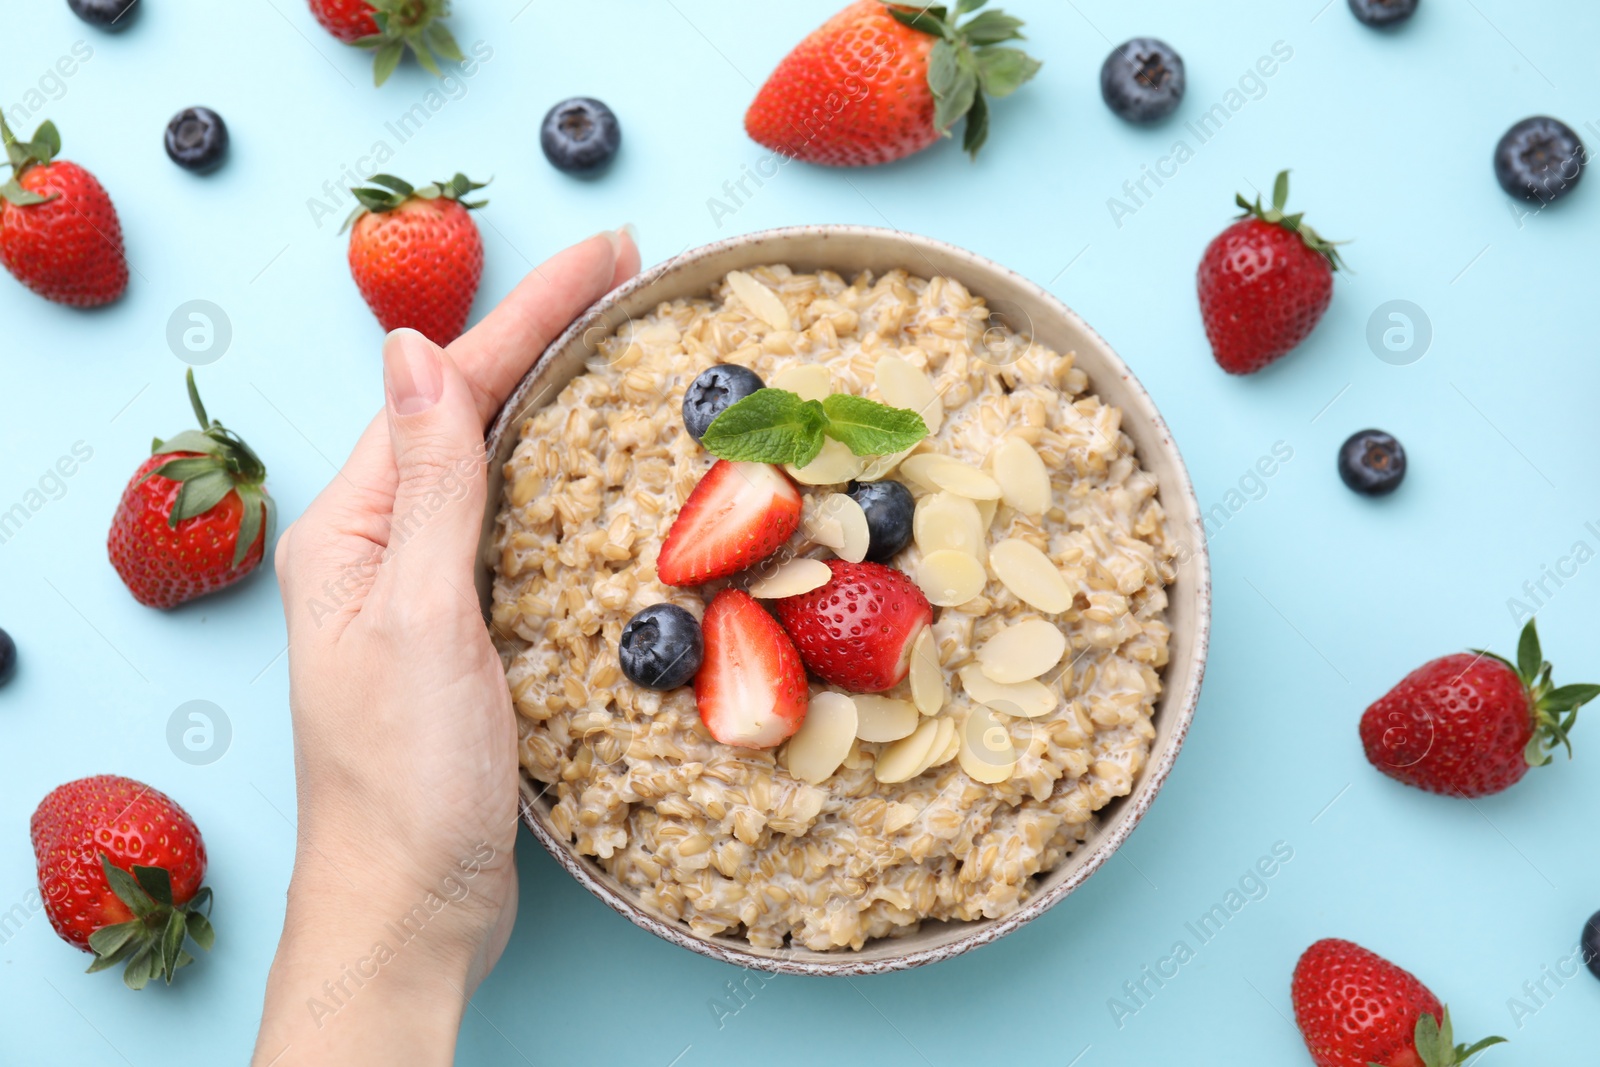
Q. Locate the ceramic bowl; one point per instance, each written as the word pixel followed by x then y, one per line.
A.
pixel 1024 307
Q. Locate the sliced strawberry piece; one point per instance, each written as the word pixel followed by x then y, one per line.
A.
pixel 737 516
pixel 857 631
pixel 751 688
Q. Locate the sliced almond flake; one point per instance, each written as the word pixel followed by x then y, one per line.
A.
pixel 763 303
pixel 853 520
pixel 987 754
pixel 950 577
pixel 880 467
pixel 824 738
pixel 884 718
pixel 1027 700
pixel 951 748
pixel 919 468
pixel 904 386
pixel 1030 575
pixel 821 527
pixel 834 465
pixel 791 579
pixel 944 520
pixel 808 381
pixel 963 479
pixel 928 691
pixel 986 510
pixel 1022 651
pixel 1023 479
pixel 904 760
pixel 941 740
pixel 898 816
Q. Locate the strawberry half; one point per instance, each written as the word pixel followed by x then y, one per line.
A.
pixel 857 630
pixel 751 688
pixel 1355 1008
pixel 737 516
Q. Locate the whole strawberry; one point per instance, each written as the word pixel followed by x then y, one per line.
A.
pixel 857 630
pixel 1355 1008
pixel 120 872
pixel 195 518
pixel 389 28
pixel 1265 283
pixel 1472 724
pixel 879 82
pixel 59 233
pixel 416 254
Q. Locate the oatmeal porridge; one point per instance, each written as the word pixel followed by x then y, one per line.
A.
pixel 1040 550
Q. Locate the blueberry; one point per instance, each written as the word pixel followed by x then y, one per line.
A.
pixel 580 136
pixel 107 14
pixel 1372 463
pixel 661 647
pixel 889 509
pixel 717 389
pixel 8 657
pixel 1539 159
pixel 1383 12
pixel 1142 80
pixel 197 139
pixel 1590 943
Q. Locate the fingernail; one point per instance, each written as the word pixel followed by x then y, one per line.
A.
pixel 411 372
pixel 615 237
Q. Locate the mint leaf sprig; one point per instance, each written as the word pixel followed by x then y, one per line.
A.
pixel 776 426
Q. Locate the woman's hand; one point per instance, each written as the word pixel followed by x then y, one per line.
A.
pixel 404 887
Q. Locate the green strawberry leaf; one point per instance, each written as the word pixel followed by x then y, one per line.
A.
pixel 199 495
pixel 386 60
pixel 869 428
pixel 966 6
pixel 1529 657
pixel 250 522
pixel 1571 697
pixel 172 943
pixel 957 100
pixel 13 192
pixel 200 930
pixel 929 20
pixel 109 941
pixel 977 129
pixel 1002 71
pixel 442 41
pixel 155 881
pixel 992 27
pixel 389 181
pixel 127 888
pixel 425 58
pixel 768 426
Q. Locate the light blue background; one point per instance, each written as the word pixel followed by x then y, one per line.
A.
pixel 1323 599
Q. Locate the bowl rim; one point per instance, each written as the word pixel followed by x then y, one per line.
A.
pixel 1104 841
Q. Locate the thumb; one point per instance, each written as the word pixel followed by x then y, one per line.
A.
pixel 439 456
